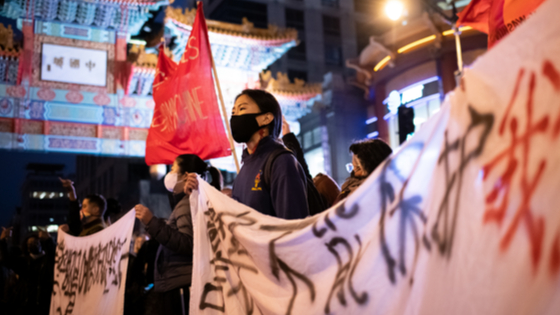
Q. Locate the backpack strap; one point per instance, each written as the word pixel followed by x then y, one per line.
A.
pixel 267 170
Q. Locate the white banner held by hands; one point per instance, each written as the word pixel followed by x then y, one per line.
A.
pixel 90 271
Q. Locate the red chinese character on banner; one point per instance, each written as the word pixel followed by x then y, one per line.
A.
pixel 518 163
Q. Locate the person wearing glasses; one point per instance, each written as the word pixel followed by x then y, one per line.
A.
pixel 367 155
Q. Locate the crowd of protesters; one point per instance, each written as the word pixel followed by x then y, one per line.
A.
pixel 273 180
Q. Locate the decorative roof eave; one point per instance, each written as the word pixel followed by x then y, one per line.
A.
pixel 11 52
pixel 303 95
pixel 104 14
pixel 282 88
pixel 144 70
pixel 8 48
pixel 272 36
pixel 141 59
pixel 139 3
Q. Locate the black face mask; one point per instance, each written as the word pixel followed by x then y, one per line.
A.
pixel 243 127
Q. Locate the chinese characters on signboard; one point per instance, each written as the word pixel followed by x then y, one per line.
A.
pixel 74 65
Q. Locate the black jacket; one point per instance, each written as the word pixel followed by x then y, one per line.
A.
pixel 173 265
pixel 287 196
pixel 291 142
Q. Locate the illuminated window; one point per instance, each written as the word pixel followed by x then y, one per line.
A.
pixel 317 136
pixel 316 161
pixel 307 140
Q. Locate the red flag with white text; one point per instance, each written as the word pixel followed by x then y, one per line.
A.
pixel 186 117
pixel 497 18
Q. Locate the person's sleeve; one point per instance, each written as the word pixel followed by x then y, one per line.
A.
pixel 290 140
pixel 74 222
pixel 288 188
pixel 180 241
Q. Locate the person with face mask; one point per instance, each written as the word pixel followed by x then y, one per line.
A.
pixel 173 263
pixel 87 218
pixel 367 155
pixel 256 121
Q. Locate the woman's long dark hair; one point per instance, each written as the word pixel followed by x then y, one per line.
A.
pixel 267 104
pixel 191 163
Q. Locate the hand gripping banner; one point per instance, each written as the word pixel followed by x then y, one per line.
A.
pixel 463 219
pixel 90 271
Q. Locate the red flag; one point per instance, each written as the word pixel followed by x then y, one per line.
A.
pixel 497 18
pixel 165 68
pixel 187 118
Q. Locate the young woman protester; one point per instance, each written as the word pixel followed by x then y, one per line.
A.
pixel 173 265
pixel 257 121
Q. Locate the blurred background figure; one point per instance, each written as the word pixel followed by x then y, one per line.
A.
pixel 367 155
pixel 26 277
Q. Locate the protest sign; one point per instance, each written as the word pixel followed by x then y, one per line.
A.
pixel 90 271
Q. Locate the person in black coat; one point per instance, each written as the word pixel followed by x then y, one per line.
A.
pixel 173 265
pixel 256 121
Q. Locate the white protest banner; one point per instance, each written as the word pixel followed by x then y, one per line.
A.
pixel 90 271
pixel 463 219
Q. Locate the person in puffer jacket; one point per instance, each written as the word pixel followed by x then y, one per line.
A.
pixel 173 265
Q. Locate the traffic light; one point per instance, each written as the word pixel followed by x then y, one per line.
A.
pixel 406 122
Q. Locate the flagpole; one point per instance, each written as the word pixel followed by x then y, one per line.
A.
pixel 223 106
pixel 457 34
pixel 224 112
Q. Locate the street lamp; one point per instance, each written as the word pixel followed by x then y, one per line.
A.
pixel 394 9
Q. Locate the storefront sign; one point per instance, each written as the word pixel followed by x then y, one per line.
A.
pixel 412 94
pixel 393 102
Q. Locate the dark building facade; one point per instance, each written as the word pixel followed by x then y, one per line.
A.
pixel 127 180
pixel 44 202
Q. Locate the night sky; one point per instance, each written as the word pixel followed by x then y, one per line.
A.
pixel 12 168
